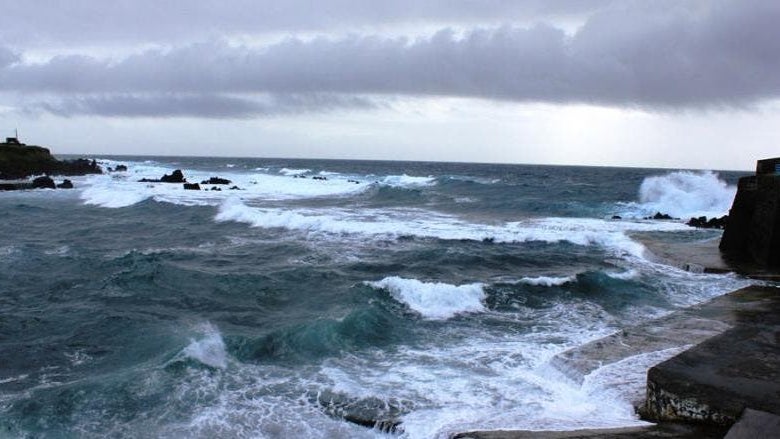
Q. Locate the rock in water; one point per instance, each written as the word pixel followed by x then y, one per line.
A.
pixel 43 183
pixel 192 186
pixel 371 412
pixel 176 177
pixel 66 184
pixel 216 180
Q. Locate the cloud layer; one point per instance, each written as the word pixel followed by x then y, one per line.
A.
pixel 657 55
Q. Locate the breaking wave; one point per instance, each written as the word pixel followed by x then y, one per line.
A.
pixel 434 300
pixel 685 194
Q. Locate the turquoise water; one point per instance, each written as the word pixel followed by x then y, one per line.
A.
pixel 429 296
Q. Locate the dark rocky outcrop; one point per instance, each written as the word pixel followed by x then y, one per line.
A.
pixel 18 161
pixel 216 180
pixel 368 412
pixel 175 177
pixel 120 168
pixel 661 216
pixel 752 231
pixel 192 186
pixel 43 183
pixel 712 223
pixel 66 184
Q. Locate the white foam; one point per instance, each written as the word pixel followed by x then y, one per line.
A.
pixel 548 281
pixel 105 194
pixel 434 300
pixel 626 379
pixel 426 224
pixel 293 171
pixel 123 189
pixel 685 194
pixel 629 274
pixel 404 180
pixel 209 349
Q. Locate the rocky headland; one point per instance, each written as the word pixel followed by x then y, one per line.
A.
pixel 18 162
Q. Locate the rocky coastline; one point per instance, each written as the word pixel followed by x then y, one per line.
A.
pixel 19 161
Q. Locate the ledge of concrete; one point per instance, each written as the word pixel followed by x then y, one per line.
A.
pixel 716 380
pixel 669 430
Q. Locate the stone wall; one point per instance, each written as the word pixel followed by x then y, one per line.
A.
pixel 752 233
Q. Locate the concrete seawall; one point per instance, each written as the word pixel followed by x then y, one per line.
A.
pixel 699 393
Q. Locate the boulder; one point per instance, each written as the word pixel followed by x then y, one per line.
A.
pixel 192 186
pixel 120 168
pixel 44 182
pixel 66 184
pixel 661 216
pixel 370 412
pixel 713 223
pixel 216 180
pixel 176 177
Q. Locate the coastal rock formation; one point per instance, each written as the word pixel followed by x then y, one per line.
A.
pixel 713 223
pixel 175 177
pixel 660 216
pixel 66 184
pixel 370 412
pixel 192 186
pixel 19 161
pixel 43 183
pixel 216 180
pixel 752 232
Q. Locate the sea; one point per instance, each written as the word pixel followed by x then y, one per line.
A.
pixel 335 298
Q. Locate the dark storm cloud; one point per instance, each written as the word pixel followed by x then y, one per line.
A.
pixel 209 106
pixel 658 54
pixel 35 22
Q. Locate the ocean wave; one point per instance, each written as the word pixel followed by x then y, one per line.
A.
pixel 209 349
pixel 684 194
pixel 118 190
pixel 404 180
pixel 293 171
pixel 548 281
pixel 427 224
pixel 434 300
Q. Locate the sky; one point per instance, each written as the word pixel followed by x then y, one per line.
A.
pixel 648 83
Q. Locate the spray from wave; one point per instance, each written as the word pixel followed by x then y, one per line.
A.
pixel 209 349
pixel 685 194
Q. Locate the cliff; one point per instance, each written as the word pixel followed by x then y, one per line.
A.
pixel 19 161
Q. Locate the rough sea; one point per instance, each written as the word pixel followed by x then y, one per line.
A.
pixel 431 296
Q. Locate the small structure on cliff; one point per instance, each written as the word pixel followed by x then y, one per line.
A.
pixel 752 233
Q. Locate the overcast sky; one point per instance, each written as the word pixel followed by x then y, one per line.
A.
pixel 681 84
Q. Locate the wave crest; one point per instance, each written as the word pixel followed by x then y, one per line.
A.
pixel 434 300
